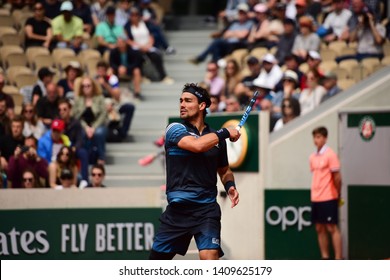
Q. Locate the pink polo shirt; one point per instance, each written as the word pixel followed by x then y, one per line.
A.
pixel 322 164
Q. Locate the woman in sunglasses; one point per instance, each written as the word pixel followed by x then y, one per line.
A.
pixel 30 180
pixel 32 125
pixel 65 160
pixel 290 110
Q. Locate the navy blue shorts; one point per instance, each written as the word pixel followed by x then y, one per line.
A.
pixel 325 212
pixel 179 223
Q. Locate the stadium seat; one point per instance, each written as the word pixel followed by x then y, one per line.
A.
pixel 328 54
pixel 7 20
pixel 10 90
pixel 328 65
pixel 348 65
pixel 90 66
pixel 370 63
pixel 59 53
pixel 359 73
pixel 341 73
pixel 15 59
pixel 7 30
pixel 63 62
pixel 13 71
pixel 23 80
pixel 386 48
pixel 386 60
pixel 88 54
pixel 337 46
pixel 258 52
pixel 33 52
pixel 4 12
pixel 10 40
pixel 304 67
pixel 18 98
pixel 7 50
pixel 42 60
pixel 239 55
pixel 347 51
pixel 345 83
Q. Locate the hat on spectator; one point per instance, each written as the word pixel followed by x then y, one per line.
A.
pixel 289 21
pixel 300 3
pixel 270 58
pixel 66 174
pixel 260 8
pixel 252 60
pixel 243 7
pixel 262 83
pixel 330 75
pixel 74 65
pixel 44 72
pixel 290 75
pixel 110 10
pixel 66 6
pixel 314 55
pixel 58 125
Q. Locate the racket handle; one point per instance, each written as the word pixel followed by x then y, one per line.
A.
pixel 238 127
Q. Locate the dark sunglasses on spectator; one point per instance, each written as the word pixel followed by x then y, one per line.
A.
pixel 28 179
pixel 97 174
pixel 66 177
pixel 28 111
pixel 286 106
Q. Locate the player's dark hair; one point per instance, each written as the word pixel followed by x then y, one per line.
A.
pixel 201 94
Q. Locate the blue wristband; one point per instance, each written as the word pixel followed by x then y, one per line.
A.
pixel 229 184
pixel 222 134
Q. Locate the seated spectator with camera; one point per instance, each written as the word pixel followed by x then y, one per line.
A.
pixel 26 157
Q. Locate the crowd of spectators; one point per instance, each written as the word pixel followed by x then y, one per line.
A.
pixel 290 50
pixel 75 107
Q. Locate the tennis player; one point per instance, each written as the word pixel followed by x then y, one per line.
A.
pixel 195 153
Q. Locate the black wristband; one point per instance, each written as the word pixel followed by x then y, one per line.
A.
pixel 229 184
pixel 222 134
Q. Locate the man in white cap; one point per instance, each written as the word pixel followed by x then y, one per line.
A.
pixel 313 61
pixel 271 71
pixel 234 37
pixel 68 29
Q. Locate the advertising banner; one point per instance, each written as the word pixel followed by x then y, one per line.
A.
pixel 60 234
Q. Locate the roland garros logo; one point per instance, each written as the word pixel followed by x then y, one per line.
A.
pixel 367 128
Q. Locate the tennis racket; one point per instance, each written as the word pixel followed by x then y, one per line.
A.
pixel 247 111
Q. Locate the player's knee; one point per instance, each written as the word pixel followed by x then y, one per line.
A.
pixel 331 228
pixel 320 228
pixel 154 255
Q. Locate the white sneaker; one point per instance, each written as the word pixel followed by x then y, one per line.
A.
pixel 170 50
pixel 168 81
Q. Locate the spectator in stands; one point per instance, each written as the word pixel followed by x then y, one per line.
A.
pixel 127 64
pixel 5 121
pixel 52 8
pixel 83 11
pixel 76 135
pixel 98 11
pixel 276 25
pixel 52 141
pixel 47 106
pixel 122 12
pixel 9 142
pixel 110 86
pixel 290 88
pixel 98 173
pixel 330 84
pixel 286 41
pixel 232 104
pixel 302 10
pixel 360 8
pixel 66 180
pixel 45 77
pixel 107 33
pixel 243 89
pixel 150 18
pixel 314 61
pixel 271 71
pixel 307 40
pixel 65 160
pixel 38 28
pixel 65 86
pixel 335 26
pixel 369 35
pixel 260 32
pixel 214 107
pixel 26 157
pixel 232 78
pixel 68 29
pixel 30 180
pixel 311 96
pixel 264 87
pixel 140 38
pixel 231 12
pixel 32 125
pixel 290 110
pixel 90 109
pixel 213 80
pixel 10 105
pixel 232 38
